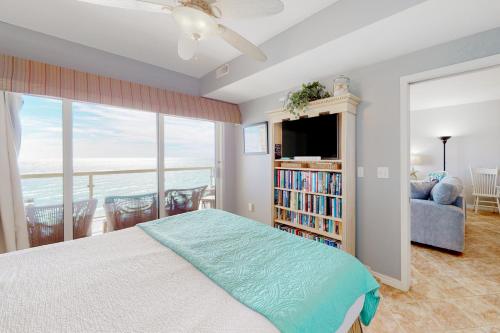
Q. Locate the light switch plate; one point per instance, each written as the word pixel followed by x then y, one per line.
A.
pixel 361 172
pixel 382 172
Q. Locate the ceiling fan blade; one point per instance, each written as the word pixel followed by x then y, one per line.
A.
pixel 186 48
pixel 241 44
pixel 156 6
pixel 165 5
pixel 246 8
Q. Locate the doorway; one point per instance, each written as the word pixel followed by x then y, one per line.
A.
pixel 413 164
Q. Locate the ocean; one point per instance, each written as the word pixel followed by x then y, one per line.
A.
pixel 49 191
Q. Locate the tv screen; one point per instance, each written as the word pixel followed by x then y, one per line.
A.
pixel 315 136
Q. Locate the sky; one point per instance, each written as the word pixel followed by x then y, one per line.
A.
pixel 104 132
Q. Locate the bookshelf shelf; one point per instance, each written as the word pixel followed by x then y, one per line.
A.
pixel 292 179
pixel 309 229
pixel 308 169
pixel 306 192
pixel 323 161
pixel 328 217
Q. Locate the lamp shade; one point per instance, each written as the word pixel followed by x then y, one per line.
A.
pixel 187 47
pixel 415 159
pixel 193 22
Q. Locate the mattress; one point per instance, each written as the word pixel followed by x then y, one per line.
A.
pixel 123 281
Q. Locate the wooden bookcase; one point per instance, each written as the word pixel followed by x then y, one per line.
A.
pixel 344 225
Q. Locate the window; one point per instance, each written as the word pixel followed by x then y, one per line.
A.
pixel 41 166
pixel 189 164
pixel 114 159
pixel 107 160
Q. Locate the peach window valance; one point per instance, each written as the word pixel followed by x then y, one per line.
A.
pixel 32 77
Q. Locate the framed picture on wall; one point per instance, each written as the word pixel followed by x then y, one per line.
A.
pixel 255 138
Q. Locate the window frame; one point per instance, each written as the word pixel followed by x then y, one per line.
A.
pixel 68 158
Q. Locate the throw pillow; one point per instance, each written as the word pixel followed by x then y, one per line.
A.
pixel 447 191
pixel 421 190
pixel 437 175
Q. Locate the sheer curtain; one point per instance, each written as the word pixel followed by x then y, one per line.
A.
pixel 13 228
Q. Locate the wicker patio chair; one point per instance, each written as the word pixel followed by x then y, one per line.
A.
pixel 127 211
pixel 46 223
pixel 178 201
pixel 208 198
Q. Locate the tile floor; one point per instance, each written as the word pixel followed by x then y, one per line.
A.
pixel 450 292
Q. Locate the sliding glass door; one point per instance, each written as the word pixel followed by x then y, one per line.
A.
pixel 40 160
pixel 114 160
pixel 88 169
pixel 190 164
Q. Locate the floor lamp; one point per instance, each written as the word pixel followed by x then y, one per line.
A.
pixel 444 139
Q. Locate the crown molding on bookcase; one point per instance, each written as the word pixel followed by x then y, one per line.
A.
pixel 336 104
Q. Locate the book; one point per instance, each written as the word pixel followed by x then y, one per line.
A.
pixel 300 193
pixel 325 182
pixel 308 235
pixel 315 222
pixel 310 203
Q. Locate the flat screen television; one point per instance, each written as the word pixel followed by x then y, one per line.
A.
pixel 315 136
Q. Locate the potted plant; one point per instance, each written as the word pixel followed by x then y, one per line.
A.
pixel 298 101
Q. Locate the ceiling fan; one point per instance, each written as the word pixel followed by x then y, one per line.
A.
pixel 197 19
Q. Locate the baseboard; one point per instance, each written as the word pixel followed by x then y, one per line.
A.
pixel 390 281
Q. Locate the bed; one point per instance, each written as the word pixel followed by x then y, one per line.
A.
pixel 157 277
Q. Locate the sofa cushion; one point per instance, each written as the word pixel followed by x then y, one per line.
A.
pixel 422 189
pixel 447 191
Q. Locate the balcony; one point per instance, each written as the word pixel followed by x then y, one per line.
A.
pixel 100 185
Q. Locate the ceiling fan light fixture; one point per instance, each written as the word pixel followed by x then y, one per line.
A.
pixel 187 46
pixel 197 20
pixel 194 22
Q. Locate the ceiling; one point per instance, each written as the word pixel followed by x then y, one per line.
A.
pixel 472 87
pixel 311 39
pixel 147 37
pixel 395 35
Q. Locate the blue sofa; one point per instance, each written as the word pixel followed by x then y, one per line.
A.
pixel 437 224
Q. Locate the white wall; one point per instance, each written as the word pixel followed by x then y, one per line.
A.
pixel 378 232
pixel 475 131
pixel 228 174
pixel 248 177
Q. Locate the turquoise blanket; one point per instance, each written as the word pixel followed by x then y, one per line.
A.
pixel 298 284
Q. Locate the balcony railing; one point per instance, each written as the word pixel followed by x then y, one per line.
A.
pixel 100 219
pixel 92 174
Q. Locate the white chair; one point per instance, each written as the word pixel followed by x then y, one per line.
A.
pixel 484 185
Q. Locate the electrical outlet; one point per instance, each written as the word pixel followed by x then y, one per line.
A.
pixel 382 172
pixel 361 172
pixel 251 207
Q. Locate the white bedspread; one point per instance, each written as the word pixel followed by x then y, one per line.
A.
pixel 123 281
